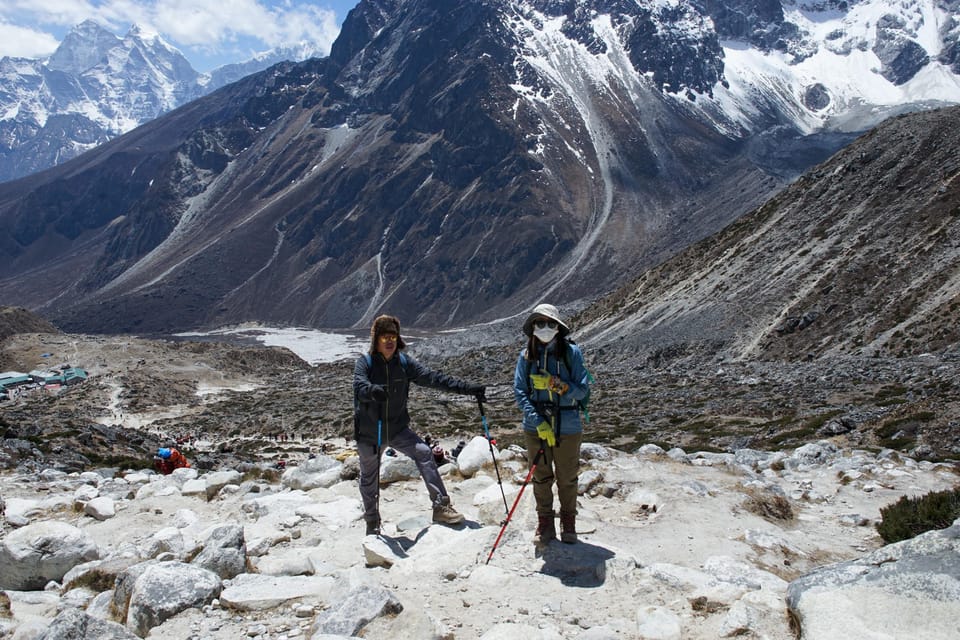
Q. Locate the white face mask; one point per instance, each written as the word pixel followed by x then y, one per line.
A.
pixel 545 334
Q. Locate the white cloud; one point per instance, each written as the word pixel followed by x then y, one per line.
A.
pixel 201 22
pixel 23 42
pixel 48 12
pixel 212 26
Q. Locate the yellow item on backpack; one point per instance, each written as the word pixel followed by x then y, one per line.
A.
pixel 540 381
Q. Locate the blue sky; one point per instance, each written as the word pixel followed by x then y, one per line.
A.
pixel 208 32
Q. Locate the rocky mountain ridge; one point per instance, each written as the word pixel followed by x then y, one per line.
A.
pixel 858 257
pixel 97 86
pixel 557 158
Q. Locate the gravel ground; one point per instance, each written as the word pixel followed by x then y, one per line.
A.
pixel 142 393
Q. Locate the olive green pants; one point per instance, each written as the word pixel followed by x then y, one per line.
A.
pixel 560 464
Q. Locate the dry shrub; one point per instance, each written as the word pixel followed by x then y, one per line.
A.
pixel 768 505
pixel 703 605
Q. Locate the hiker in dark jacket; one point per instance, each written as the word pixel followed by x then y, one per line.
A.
pixel 381 382
pixel 549 382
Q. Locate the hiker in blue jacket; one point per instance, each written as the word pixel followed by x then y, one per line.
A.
pixel 381 382
pixel 549 383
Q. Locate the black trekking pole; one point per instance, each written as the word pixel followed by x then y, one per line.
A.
pixel 533 467
pixel 379 443
pixel 490 443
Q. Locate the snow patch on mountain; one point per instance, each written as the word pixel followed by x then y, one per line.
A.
pixel 581 77
pixel 841 65
pixel 115 84
pixel 835 69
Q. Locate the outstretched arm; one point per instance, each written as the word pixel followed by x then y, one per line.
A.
pixel 427 377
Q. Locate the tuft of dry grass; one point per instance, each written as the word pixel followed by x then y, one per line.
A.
pixel 768 505
pixel 705 606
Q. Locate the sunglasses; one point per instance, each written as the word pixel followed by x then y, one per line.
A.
pixel 543 324
pixel 388 338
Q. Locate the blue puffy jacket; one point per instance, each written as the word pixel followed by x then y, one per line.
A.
pixel 535 403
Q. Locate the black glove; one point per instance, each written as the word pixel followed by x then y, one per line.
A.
pixel 477 390
pixel 378 393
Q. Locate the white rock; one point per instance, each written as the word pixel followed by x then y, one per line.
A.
pixel 475 455
pixel 101 508
pixel 251 592
pixel 84 494
pixel 43 551
pixel 194 487
pixel 658 623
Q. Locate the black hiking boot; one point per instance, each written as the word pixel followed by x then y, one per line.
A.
pixel 568 527
pixel 546 530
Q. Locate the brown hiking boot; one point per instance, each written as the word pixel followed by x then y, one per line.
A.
pixel 568 527
pixel 444 513
pixel 546 531
pixel 373 527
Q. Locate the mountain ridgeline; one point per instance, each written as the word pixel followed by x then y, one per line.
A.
pixel 96 86
pixel 860 256
pixel 448 162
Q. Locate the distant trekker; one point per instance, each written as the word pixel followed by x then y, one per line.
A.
pixel 168 459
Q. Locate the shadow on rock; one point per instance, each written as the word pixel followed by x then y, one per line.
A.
pixel 576 565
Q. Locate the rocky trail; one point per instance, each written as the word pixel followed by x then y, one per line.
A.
pixel 718 499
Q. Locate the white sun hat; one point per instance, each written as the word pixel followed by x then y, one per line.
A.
pixel 549 312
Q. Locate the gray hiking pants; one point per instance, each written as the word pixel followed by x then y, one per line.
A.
pixel 409 444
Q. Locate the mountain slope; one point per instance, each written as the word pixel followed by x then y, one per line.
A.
pixel 450 163
pixel 861 256
pixel 95 87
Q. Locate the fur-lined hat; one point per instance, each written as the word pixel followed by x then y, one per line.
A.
pixel 549 312
pixel 385 324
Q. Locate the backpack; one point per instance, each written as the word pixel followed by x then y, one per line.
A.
pixel 582 404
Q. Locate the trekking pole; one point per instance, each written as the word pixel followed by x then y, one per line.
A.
pixel 490 443
pixel 379 442
pixel 533 467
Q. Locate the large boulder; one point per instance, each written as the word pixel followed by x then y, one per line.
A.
pixel 165 589
pixel 354 610
pixel 224 552
pixel 253 592
pixel 893 592
pixel 43 551
pixel 320 471
pixel 74 624
pixel 474 456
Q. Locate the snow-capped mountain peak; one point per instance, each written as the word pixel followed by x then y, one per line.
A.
pixel 83 48
pixel 96 86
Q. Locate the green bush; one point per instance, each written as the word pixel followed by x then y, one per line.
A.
pixel 909 517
